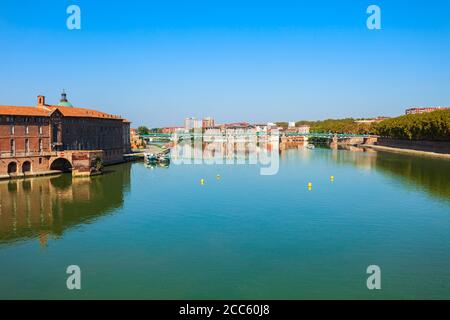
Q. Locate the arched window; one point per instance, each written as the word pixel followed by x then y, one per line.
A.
pixel 12 167
pixel 26 166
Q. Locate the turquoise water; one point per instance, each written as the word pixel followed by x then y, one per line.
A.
pixel 138 232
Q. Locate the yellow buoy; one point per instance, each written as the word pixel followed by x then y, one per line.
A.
pixel 332 178
pixel 309 185
pixel 202 181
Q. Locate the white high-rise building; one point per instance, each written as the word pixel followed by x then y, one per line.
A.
pixel 192 123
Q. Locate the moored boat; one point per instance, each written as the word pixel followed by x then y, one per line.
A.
pixel 151 158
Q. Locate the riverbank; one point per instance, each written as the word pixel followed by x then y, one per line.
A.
pixel 408 151
pixel 29 174
pixel 434 146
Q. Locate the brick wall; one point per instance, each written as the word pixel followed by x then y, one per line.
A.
pixel 33 139
pixel 20 131
pixel 95 134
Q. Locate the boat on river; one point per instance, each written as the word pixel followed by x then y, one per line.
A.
pixel 151 158
pixel 154 158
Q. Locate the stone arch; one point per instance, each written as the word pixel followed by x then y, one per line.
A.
pixel 61 164
pixel 12 167
pixel 26 166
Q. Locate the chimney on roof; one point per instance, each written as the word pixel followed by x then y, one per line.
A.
pixel 41 101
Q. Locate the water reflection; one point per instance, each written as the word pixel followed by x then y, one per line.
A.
pixel 47 206
pixel 431 174
pixel 427 173
pixel 229 151
pixel 163 165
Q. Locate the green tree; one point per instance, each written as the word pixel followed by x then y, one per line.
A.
pixel 98 164
pixel 348 125
pixel 282 124
pixel 142 130
pixel 425 126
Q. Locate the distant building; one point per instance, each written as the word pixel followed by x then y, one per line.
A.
pixel 237 125
pixel 291 124
pixel 272 128
pixel 261 128
pixel 208 122
pixel 417 110
pixel 303 129
pixel 172 129
pixel 189 123
pixel 373 120
pixel 192 123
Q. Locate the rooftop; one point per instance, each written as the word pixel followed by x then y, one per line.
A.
pixel 65 107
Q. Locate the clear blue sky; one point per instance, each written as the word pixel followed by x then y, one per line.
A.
pixel 157 62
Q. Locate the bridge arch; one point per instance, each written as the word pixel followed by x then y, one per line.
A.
pixel 61 164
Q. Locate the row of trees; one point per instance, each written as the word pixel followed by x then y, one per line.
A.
pixel 143 130
pixel 348 125
pixel 425 126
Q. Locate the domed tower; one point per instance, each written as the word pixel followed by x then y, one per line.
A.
pixel 63 102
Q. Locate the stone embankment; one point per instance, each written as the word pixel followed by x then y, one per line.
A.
pixel 440 149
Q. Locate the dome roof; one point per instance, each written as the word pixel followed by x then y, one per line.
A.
pixel 64 104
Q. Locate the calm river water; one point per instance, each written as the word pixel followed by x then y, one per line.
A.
pixel 157 233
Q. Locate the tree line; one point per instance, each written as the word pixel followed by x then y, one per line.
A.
pixel 348 125
pixel 425 126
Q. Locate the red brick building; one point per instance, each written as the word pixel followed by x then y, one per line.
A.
pixel 208 122
pixel 46 137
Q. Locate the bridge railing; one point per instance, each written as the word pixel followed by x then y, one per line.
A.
pixel 258 134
